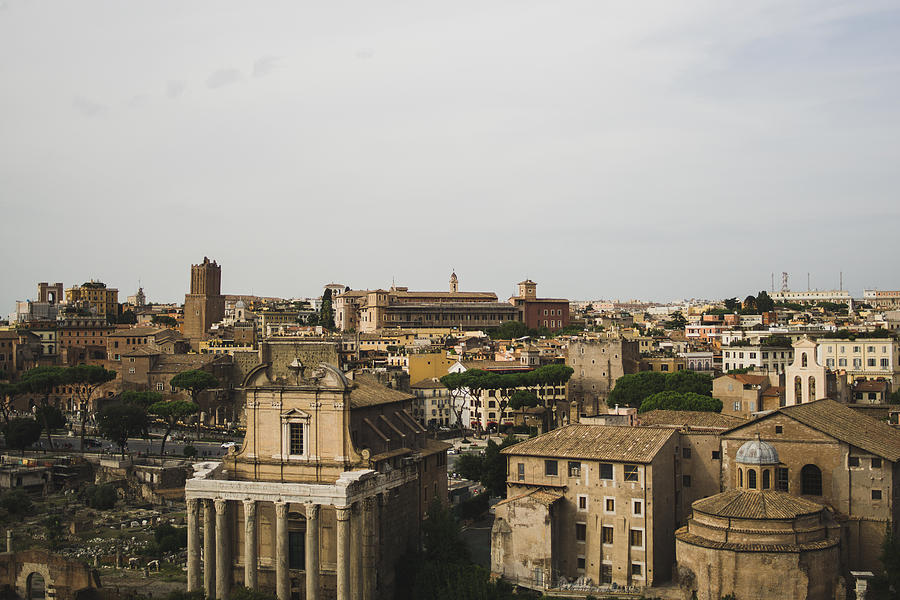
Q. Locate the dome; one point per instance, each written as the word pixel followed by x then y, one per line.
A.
pixel 757 452
pixel 240 304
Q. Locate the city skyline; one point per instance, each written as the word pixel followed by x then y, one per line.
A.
pixel 655 151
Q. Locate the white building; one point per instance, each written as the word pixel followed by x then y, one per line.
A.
pixel 761 358
pixel 812 296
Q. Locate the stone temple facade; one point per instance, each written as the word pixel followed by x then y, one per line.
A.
pixel 325 495
pixel 758 543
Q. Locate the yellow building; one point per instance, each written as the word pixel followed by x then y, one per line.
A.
pixel 95 294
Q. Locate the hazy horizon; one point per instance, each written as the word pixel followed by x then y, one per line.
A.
pixel 656 150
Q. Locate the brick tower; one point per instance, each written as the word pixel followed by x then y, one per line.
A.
pixel 205 304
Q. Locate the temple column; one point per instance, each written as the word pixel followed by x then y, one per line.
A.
pixel 250 547
pixel 282 576
pixel 223 550
pixel 368 546
pixel 343 552
pixel 209 549
pixel 193 543
pixel 356 566
pixel 312 552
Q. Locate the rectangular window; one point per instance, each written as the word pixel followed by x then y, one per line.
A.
pixel 609 506
pixel 160 386
pixel 685 453
pixel 717 455
pixel 853 461
pixel 606 471
pixel 636 538
pixel 520 471
pixel 637 570
pixel 551 468
pixel 631 472
pixel 876 494
pixel 876 463
pixel 574 468
pixel 779 429
pixel 582 502
pixel 297 549
pixel 686 481
pixel 605 573
pixel 581 563
pixel 580 532
pixel 637 508
pixel 607 535
pixel 870 362
pixel 296 439
pixel 781 479
pixel 737 406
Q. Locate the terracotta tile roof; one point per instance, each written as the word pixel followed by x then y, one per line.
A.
pixel 370 393
pixel 844 424
pixel 135 332
pixel 750 379
pixel 870 386
pixel 597 442
pixel 769 504
pixel 690 418
pixel 775 390
pixel 428 384
pixel 849 426
pixel 543 496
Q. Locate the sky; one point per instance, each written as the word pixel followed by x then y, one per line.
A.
pixel 653 150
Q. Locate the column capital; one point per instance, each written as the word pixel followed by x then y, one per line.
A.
pixel 342 512
pixel 312 512
pixel 221 505
pixel 369 503
pixel 249 507
pixel 281 509
pixel 193 505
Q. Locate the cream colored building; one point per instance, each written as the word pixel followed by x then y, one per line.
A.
pixel 757 357
pixel 871 358
pixel 590 501
pixel 325 494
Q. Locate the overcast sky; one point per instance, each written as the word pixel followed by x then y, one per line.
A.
pixel 655 150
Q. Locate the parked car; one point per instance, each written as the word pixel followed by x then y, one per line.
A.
pixel 91 443
pixel 228 444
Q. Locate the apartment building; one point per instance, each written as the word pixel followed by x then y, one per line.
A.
pixel 870 358
pixel 591 501
pixel 757 357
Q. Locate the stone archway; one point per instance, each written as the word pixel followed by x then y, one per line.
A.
pixel 35 587
pixel 34 582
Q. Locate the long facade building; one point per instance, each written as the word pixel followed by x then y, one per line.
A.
pixel 326 493
pixel 369 311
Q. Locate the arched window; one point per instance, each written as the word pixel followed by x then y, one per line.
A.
pixel 803 361
pixel 740 478
pixel 766 479
pixel 811 480
pixel 798 390
pixel 751 479
pixel 812 388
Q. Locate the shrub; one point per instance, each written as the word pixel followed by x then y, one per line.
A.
pixel 189 451
pixel 16 502
pixel 102 497
pixel 169 538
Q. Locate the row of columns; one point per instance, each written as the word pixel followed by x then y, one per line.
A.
pixel 355 549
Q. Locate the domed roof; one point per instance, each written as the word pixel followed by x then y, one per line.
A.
pixel 757 452
pixel 240 304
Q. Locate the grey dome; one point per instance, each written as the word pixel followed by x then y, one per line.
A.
pixel 757 452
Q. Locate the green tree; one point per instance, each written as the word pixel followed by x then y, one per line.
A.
pixel 523 400
pixel 56 531
pixel 86 379
pixel 51 417
pixel 764 303
pixel 732 304
pixel 669 400
pixel 101 497
pixel 689 381
pixel 326 313
pixel 119 420
pixel 195 382
pixel 16 502
pixel 509 330
pixel 172 411
pixel 470 466
pixel 494 470
pixel 127 318
pixel 22 433
pixel 41 381
pixel 630 390
pixel 777 341
pixel 455 384
pixel 164 320
pixel 676 321
pixel 8 393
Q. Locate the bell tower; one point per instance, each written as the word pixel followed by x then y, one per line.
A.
pixel 454 283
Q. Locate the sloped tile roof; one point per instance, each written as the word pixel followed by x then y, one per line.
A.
pixel 769 504
pixel 596 442
pixel 541 495
pixel 690 418
pixel 370 393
